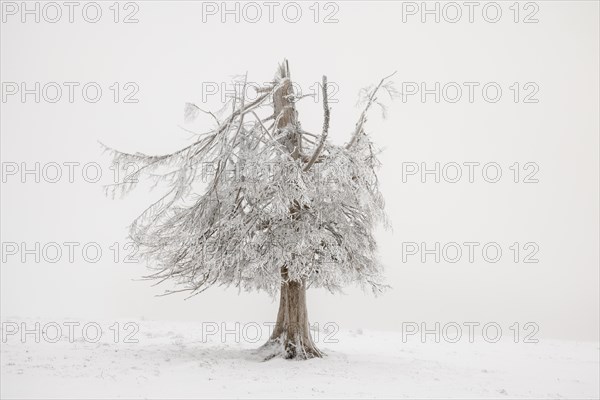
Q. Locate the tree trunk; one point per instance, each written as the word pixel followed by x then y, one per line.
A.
pixel 291 336
pixel 285 111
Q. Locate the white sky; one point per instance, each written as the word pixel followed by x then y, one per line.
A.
pixel 171 52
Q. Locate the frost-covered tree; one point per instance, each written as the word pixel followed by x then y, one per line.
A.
pixel 260 203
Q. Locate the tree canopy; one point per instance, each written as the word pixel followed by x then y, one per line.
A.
pixel 257 192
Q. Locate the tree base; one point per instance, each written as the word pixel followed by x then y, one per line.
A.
pixel 290 349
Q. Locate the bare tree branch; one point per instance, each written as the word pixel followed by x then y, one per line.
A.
pixel 319 148
pixel 363 115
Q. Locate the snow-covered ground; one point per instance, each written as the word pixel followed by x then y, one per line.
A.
pixel 171 360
